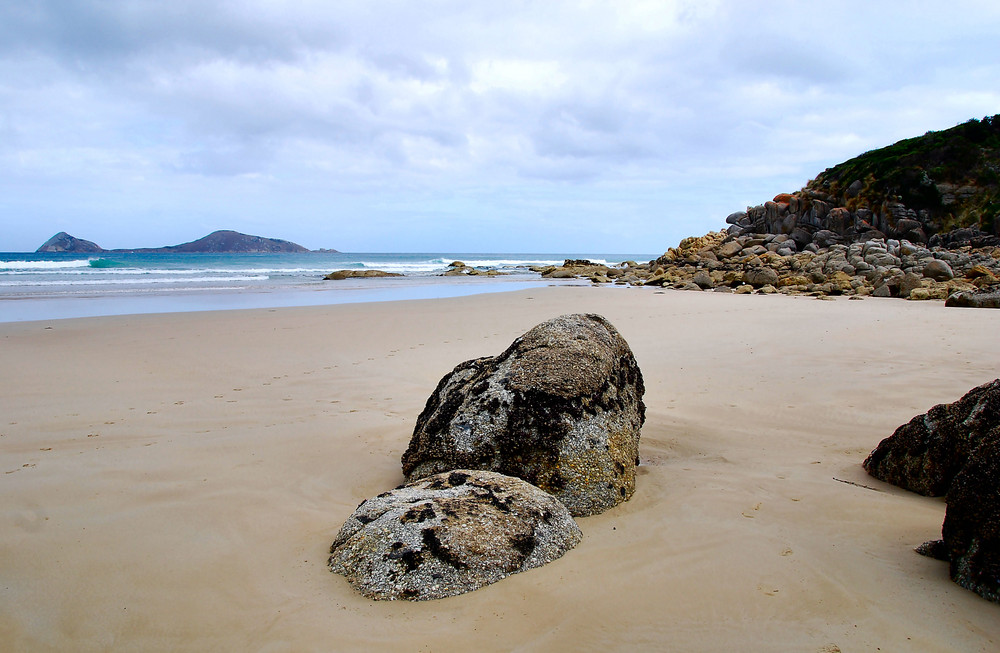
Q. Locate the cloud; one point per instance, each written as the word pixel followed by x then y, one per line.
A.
pixel 176 103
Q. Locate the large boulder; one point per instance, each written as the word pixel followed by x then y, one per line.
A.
pixel 561 408
pixel 925 454
pixel 761 276
pixel 449 534
pixel 971 531
pixel 938 270
pixel 340 275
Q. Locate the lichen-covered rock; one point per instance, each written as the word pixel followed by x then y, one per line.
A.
pixel 971 531
pixel 449 534
pixel 974 300
pixel 561 409
pixel 925 454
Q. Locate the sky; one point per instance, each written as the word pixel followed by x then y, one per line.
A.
pixel 459 126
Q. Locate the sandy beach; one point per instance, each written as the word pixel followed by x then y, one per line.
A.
pixel 174 481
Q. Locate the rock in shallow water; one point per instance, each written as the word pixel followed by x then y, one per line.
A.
pixel 449 534
pixel 561 409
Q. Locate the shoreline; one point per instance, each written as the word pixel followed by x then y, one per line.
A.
pixel 173 481
pixel 330 293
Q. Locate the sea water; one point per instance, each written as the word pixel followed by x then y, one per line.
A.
pixel 60 285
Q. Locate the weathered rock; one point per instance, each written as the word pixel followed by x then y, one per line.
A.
pixel 703 280
pixel 738 217
pixel 971 530
pixel 761 277
pixel 449 534
pixel 561 408
pixel 974 300
pixel 909 282
pixel 730 249
pixel 340 275
pixel 926 453
pixel 938 270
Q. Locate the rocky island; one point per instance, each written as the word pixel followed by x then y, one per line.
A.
pixel 217 242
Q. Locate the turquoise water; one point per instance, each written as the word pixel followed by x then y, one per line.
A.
pixel 51 286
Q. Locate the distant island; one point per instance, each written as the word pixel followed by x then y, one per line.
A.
pixel 217 242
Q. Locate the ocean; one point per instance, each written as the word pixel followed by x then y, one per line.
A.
pixel 63 285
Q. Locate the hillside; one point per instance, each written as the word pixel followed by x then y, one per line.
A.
pixel 918 189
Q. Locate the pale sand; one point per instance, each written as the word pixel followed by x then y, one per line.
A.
pixel 173 482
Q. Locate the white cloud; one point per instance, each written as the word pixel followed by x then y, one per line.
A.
pixel 222 110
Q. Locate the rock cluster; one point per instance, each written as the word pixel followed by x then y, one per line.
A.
pixel 505 452
pixel 460 269
pixel 777 263
pixel 449 534
pixel 561 408
pixel 340 275
pixel 817 216
pixel 954 449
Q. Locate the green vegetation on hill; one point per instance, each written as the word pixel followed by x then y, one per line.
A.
pixel 951 177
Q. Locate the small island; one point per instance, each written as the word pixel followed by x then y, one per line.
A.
pixel 218 242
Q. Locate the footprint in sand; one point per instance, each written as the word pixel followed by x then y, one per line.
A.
pixel 755 508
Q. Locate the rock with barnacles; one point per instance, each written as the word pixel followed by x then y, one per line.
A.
pixel 926 453
pixel 561 408
pixel 449 534
pixel 971 532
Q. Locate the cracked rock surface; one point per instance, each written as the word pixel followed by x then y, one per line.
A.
pixel 449 534
pixel 561 408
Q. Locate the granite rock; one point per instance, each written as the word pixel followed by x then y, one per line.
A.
pixel 968 299
pixel 561 408
pixel 926 453
pixel 449 534
pixel 340 275
pixel 971 530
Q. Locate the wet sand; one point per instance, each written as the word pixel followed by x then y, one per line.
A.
pixel 173 482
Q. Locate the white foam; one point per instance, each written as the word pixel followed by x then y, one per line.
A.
pixel 133 282
pixel 44 265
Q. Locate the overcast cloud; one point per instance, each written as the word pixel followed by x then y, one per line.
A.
pixel 458 126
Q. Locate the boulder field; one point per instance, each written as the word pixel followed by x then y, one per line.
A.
pixel 777 263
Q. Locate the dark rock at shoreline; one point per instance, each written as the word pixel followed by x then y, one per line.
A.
pixel 970 299
pixel 63 242
pixel 449 534
pixel 925 454
pixel 460 269
pixel 561 408
pixel 340 275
